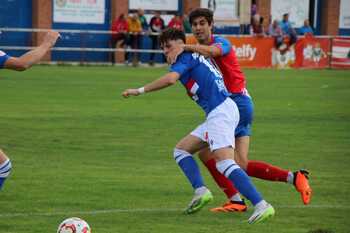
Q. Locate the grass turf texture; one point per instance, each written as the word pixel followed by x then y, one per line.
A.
pixel 79 149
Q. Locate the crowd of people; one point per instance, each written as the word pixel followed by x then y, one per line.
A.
pixel 282 31
pixel 128 30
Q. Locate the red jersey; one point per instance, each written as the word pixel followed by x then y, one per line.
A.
pixel 228 64
pixel 119 26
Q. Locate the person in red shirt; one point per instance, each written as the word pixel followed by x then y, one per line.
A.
pixel 119 33
pixel 176 22
pixel 221 53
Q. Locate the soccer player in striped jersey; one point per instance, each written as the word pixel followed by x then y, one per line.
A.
pixel 204 85
pixel 20 64
pixel 223 56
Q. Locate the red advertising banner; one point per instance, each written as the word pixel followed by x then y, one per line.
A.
pixel 341 53
pixel 312 52
pixel 253 51
pixel 250 51
pixel 308 52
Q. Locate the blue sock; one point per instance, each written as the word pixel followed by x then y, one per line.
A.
pixel 189 167
pixel 5 169
pixel 240 180
pixel 2 180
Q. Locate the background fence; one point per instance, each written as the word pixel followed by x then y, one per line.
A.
pixel 86 46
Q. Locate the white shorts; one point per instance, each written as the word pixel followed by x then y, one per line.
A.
pixel 219 128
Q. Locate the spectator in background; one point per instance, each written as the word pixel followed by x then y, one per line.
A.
pixel 257 28
pixel 275 31
pixel 157 25
pixel 134 29
pixel 288 30
pixel 176 22
pixel 143 20
pixel 119 34
pixel 306 29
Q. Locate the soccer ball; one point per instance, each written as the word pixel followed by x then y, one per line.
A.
pixel 74 225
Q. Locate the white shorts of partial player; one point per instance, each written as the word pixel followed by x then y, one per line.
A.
pixel 218 130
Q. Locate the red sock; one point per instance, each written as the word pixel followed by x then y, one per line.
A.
pixel 221 180
pixel 266 171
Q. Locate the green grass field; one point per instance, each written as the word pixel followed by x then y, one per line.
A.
pixel 79 149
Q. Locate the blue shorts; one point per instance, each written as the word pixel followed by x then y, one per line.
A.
pixel 246 112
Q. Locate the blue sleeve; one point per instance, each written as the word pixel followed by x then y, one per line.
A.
pixel 284 27
pixel 301 31
pixel 223 44
pixel 3 58
pixel 184 63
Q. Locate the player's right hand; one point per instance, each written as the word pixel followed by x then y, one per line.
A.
pixel 51 38
pixel 130 92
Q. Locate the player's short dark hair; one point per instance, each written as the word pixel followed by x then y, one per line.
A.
pixel 171 34
pixel 199 12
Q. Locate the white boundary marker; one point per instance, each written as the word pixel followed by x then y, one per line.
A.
pixel 112 211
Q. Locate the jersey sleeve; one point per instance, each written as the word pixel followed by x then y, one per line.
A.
pixel 3 58
pixel 184 63
pixel 223 44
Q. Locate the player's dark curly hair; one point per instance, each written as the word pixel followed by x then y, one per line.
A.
pixel 206 13
pixel 171 34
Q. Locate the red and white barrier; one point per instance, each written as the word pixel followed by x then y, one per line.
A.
pixel 341 53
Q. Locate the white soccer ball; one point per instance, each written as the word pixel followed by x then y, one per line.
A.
pixel 74 225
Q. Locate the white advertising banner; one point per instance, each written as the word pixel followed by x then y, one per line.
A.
pixel 344 19
pixel 162 5
pixel 79 11
pixel 224 10
pixel 298 10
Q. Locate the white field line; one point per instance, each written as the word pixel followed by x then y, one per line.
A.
pixel 111 211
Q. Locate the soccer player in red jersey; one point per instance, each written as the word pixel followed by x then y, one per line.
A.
pixel 223 56
pixel 204 85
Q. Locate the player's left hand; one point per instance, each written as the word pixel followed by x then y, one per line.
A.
pixel 130 92
pixel 176 51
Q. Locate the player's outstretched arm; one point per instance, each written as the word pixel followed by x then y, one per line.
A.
pixel 30 58
pixel 205 50
pixel 163 82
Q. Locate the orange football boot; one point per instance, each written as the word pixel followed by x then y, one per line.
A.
pixel 231 206
pixel 301 183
